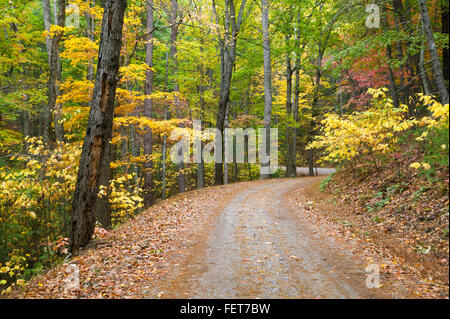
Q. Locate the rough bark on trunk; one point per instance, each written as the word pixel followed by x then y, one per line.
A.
pixel 94 170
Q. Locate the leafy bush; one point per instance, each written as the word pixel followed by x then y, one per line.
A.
pixel 363 134
pixel 433 137
pixel 35 207
pixel 365 137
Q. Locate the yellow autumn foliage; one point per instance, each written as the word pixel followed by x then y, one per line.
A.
pixel 363 133
pixel 375 131
pixel 36 201
pixel 79 50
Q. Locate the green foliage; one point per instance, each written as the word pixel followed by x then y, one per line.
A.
pixel 436 148
pixel 10 140
pixel 378 202
pixel 325 41
pixel 324 183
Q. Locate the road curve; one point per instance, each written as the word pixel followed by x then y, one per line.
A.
pixel 304 171
pixel 259 247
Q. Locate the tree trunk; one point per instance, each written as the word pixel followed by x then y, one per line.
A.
pixel 224 95
pixel 54 69
pixel 94 170
pixel 445 30
pixel 437 69
pixel 423 71
pixel 90 33
pixel 232 24
pixel 27 129
pixel 164 146
pixel 201 165
pixel 402 23
pixel 46 112
pixel 314 110
pixel 267 83
pixel 174 15
pixel 290 165
pixel 164 156
pixel 56 66
pixel 148 106
pixel 295 106
pixel 226 150
pixel 393 86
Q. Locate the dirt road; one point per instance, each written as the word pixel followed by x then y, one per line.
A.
pixel 258 239
pixel 256 246
pixel 304 171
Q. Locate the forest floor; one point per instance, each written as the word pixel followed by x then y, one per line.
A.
pixel 263 239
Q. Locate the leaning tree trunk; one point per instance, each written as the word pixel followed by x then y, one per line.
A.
pixel 437 69
pixel 267 83
pixel 148 105
pixel 94 170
